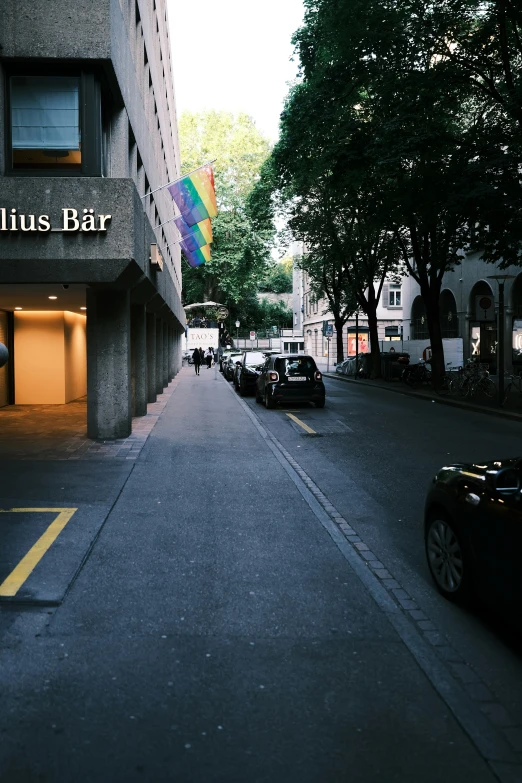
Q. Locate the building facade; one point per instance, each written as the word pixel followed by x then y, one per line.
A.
pixel 311 315
pixel 469 305
pixel 90 287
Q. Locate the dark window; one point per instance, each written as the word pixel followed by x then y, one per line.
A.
pixel 54 124
pixel 45 122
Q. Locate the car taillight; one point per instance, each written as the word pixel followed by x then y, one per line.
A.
pixel 318 376
pixel 273 376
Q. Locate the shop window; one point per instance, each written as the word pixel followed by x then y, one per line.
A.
pixel 363 342
pixel 54 125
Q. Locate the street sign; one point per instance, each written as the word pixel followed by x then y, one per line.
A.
pixel 426 354
pixel 327 329
pixel 252 335
pixel 222 313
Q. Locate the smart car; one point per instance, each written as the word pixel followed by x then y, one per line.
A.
pixel 290 378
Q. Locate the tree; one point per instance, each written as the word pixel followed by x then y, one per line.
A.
pixel 278 279
pixel 240 254
pixel 378 113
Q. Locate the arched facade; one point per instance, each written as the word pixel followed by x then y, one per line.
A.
pixel 482 324
pixel 516 308
pixel 419 322
pixel 449 320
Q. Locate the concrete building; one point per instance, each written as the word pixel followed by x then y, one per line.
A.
pixel 87 304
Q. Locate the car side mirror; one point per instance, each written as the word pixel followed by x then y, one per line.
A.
pixel 508 481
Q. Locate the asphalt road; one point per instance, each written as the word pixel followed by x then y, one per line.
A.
pixel 377 473
pixel 221 628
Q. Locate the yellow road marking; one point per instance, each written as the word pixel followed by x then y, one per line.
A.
pixel 18 576
pixel 306 428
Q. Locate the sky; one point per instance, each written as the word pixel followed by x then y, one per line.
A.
pixel 234 55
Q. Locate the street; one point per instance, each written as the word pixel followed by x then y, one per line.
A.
pixel 226 622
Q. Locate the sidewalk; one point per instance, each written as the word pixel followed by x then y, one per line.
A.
pixel 511 410
pixel 223 629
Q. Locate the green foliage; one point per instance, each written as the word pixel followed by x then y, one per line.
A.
pixel 240 251
pixel 399 144
pixel 278 279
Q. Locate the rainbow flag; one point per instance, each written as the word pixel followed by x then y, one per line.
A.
pixel 195 236
pixel 195 195
pixel 196 257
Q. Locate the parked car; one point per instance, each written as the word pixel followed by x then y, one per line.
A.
pixel 290 378
pixel 247 373
pixel 473 532
pixel 230 365
pixel 223 358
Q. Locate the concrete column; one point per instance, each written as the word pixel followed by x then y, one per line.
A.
pixel 169 353
pixel 151 357
pixel 139 360
pixel 109 414
pixel 165 355
pixel 159 355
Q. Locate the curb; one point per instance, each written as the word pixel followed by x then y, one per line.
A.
pixel 501 414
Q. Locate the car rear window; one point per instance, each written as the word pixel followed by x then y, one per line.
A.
pixel 296 366
pixel 253 359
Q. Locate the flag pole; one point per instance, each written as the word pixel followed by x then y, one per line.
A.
pixel 178 179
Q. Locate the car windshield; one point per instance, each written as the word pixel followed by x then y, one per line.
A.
pixel 234 357
pixel 296 366
pixel 253 359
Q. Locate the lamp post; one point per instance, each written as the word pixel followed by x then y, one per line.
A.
pixel 501 279
pixel 237 333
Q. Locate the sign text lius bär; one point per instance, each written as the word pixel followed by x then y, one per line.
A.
pixel 12 220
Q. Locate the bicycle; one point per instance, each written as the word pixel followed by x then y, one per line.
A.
pixel 449 381
pixel 515 382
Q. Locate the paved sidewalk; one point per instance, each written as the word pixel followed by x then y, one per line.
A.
pixel 220 630
pixel 58 432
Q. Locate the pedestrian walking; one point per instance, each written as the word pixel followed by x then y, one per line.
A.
pixel 196 358
pixel 209 356
pixel 201 356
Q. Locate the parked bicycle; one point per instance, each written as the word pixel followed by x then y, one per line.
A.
pixel 415 375
pixel 514 384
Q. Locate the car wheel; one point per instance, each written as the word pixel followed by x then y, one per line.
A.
pixel 319 404
pixel 269 402
pixel 448 559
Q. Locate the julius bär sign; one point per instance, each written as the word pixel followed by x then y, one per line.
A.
pixel 72 220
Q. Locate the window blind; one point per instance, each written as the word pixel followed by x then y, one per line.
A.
pixel 45 112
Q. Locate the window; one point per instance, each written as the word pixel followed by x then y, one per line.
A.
pixel 54 124
pixel 395 296
pixel 45 122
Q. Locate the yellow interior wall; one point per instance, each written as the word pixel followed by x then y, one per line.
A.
pixel 50 357
pixel 39 358
pixel 75 355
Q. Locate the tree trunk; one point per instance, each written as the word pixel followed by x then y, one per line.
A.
pixel 374 342
pixel 339 324
pixel 431 301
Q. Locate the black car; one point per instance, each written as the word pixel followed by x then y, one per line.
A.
pixel 229 365
pixel 247 373
pixel 290 378
pixel 473 532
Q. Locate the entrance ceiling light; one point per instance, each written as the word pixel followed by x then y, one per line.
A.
pixel 83 308
pixel 18 308
pixel 53 297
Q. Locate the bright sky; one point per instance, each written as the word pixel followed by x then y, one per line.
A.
pixel 234 55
